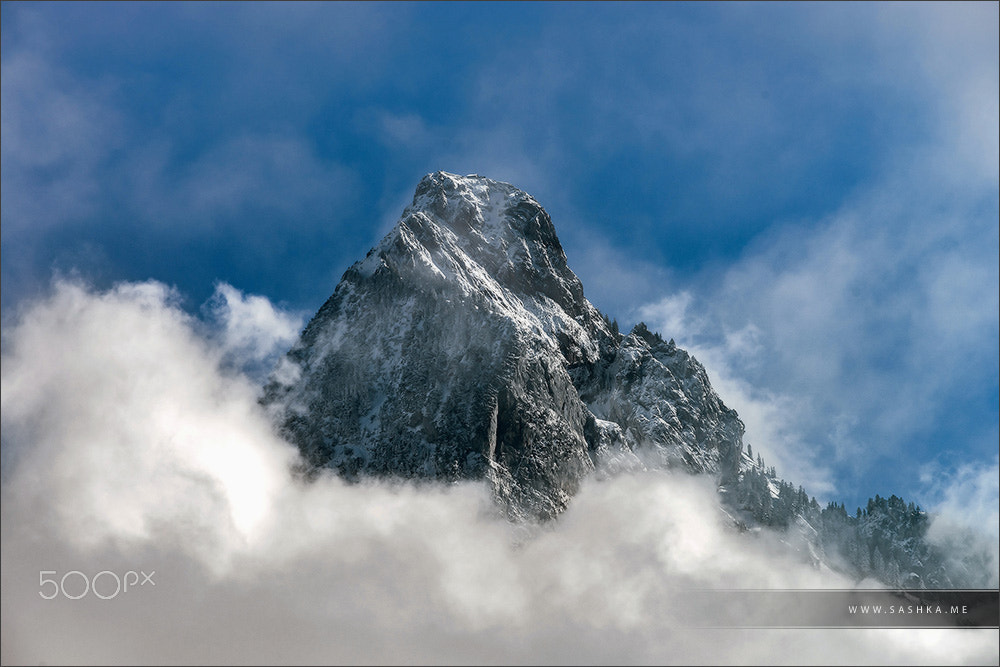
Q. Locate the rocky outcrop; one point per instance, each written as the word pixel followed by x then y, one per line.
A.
pixel 462 346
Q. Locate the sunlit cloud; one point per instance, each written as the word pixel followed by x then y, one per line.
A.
pixel 250 328
pixel 140 452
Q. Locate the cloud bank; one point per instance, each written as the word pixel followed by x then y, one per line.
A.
pixel 134 445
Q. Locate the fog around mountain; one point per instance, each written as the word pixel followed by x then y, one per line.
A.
pixel 134 442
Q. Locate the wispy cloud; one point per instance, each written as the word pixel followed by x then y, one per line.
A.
pixel 58 136
pixel 964 502
pixel 250 330
pixel 279 176
pixel 847 340
pixel 771 416
pixel 875 321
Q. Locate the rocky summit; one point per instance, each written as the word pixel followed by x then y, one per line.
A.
pixel 462 346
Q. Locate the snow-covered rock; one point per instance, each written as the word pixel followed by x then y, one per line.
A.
pixel 462 346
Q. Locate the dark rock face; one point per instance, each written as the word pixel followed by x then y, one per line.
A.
pixel 462 346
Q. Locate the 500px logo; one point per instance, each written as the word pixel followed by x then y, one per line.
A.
pixel 79 584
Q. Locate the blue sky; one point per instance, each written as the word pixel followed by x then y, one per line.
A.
pixel 805 195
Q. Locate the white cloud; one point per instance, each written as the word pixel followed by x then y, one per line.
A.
pixel 137 453
pixel 124 426
pixel 966 512
pixel 250 328
pixel 670 317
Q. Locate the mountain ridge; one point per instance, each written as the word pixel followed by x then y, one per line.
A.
pixel 462 347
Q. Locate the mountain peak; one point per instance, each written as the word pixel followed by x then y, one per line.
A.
pixel 487 237
pixel 462 346
pixel 467 205
pixel 480 207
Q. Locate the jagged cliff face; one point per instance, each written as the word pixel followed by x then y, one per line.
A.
pixel 656 399
pixel 462 346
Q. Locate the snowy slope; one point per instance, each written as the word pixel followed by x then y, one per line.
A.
pixel 462 347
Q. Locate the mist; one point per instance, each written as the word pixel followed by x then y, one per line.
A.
pixel 133 442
